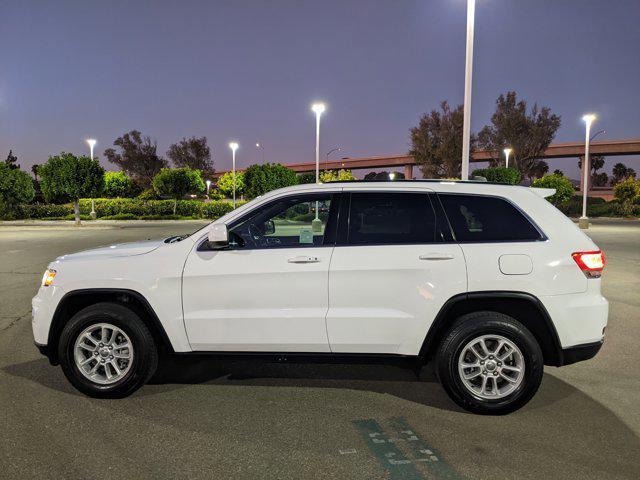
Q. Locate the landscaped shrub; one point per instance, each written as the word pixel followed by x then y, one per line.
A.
pixel 510 176
pixel 573 206
pixel 215 210
pixel 627 192
pixel 110 207
pixel 563 186
pixel 46 210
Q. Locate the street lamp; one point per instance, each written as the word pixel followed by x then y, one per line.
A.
pixel 326 161
pixel 208 182
pixel 507 152
pixel 92 143
pixel 392 176
pixel 318 109
pixel 468 72
pixel 583 222
pixel 260 146
pixel 234 146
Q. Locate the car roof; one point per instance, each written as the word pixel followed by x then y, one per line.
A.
pixel 435 185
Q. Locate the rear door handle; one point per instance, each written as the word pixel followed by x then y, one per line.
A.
pixel 304 259
pixel 437 256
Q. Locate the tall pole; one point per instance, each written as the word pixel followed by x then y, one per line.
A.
pixel 92 143
pixel 233 146
pixel 583 222
pixel 468 72
pixel 318 108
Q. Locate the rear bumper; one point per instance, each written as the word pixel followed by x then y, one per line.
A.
pixel 579 353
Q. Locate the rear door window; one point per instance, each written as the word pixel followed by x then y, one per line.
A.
pixel 480 218
pixel 384 218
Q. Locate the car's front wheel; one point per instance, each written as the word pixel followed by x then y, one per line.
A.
pixel 490 363
pixel 107 351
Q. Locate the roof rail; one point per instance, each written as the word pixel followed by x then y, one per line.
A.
pixel 423 180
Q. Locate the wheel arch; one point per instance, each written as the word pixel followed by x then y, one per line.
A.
pixel 74 301
pixel 522 306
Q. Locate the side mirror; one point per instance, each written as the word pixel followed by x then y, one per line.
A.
pixel 218 235
pixel 269 227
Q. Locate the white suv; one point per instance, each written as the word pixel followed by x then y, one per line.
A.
pixel 490 281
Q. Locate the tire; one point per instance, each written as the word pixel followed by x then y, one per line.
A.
pixel 136 363
pixel 512 388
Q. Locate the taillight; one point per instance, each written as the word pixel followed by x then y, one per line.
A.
pixel 591 263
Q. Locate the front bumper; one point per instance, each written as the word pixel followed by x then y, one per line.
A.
pixel 579 353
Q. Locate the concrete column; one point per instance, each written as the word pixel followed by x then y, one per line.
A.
pixel 408 172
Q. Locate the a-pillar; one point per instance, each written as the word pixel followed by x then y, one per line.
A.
pixel 408 172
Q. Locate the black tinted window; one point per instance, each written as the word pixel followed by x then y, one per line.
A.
pixel 391 218
pixel 475 218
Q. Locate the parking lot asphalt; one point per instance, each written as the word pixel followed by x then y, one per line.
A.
pixel 204 419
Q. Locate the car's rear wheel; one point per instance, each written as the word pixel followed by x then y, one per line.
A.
pixel 490 363
pixel 107 351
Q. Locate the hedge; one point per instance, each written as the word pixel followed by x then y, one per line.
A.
pixel 510 176
pixel 129 208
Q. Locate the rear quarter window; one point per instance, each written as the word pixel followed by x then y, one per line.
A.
pixel 479 218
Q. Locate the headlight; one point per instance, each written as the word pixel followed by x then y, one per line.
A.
pixel 47 278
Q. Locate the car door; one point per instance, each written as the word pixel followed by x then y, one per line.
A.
pixel 393 268
pixel 267 291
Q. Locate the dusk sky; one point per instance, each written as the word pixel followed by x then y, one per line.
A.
pixel 249 70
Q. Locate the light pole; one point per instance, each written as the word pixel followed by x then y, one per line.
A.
pixel 326 160
pixel 392 176
pixel 583 222
pixel 507 152
pixel 468 73
pixel 234 146
pixel 318 109
pixel 208 182
pixel 260 146
pixel 92 143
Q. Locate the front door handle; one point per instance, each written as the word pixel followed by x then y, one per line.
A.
pixel 437 256
pixel 304 259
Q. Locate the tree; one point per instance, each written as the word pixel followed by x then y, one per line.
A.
pixel 225 184
pixel 341 175
pixel 138 157
pixel 193 153
pixel 307 177
pixel 16 187
pixel 12 161
pixel 557 171
pixel 596 162
pixel 436 143
pixel 66 177
pixel 537 169
pixel 34 170
pixel 117 184
pixel 178 182
pixel 600 179
pixel 260 179
pixel 627 192
pixel 527 132
pixel 562 185
pixel 622 172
